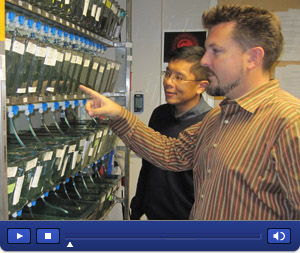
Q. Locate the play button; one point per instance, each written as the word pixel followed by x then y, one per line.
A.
pixel 18 235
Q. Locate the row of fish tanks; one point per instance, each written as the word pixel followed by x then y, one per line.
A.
pixel 59 163
pixel 62 170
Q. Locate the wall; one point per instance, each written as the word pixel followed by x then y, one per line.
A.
pixel 146 37
pixel 149 20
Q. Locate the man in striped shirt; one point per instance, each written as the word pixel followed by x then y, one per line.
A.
pixel 245 154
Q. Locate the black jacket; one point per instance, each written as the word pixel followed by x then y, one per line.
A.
pixel 167 195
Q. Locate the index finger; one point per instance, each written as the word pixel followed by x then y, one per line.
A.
pixel 89 91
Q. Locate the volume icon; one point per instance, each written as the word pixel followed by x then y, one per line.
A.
pixel 276 236
pixel 279 235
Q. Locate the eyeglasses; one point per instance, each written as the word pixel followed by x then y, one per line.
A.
pixel 177 78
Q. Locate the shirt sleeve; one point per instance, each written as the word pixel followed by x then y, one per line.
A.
pixel 288 153
pixel 166 153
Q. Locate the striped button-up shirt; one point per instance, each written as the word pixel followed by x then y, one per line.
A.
pixel 245 155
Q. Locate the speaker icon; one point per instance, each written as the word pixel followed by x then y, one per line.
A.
pixel 279 235
pixel 276 236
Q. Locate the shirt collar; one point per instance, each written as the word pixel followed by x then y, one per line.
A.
pixel 198 109
pixel 251 101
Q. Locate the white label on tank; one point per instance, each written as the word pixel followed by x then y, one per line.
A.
pixel 72 149
pixel 74 160
pixel 48 156
pixel 94 8
pixel 31 48
pixel 40 51
pixel 30 183
pixel 7 44
pixel 82 142
pixel 60 153
pixel 114 9
pixel 37 176
pixel 79 60
pixel 11 171
pixel 95 65
pixel 60 57
pixel 18 189
pixel 86 63
pixel 50 89
pixel 31 164
pixel 92 137
pixel 100 146
pixel 91 151
pixel 21 90
pixel 98 13
pixel 18 47
pixel 84 152
pixel 67 56
pixel 51 56
pixel 64 167
pixel 105 131
pixel 101 69
pixel 86 6
pixel 79 157
pixel 32 89
pixel 73 60
pixel 99 134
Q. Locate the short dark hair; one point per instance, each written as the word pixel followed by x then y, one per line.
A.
pixel 253 27
pixel 192 54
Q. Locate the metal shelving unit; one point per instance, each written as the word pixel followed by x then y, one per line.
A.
pixel 122 94
pixel 58 21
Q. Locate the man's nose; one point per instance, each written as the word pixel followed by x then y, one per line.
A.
pixel 204 60
pixel 169 81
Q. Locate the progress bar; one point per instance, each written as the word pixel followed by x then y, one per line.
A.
pixel 234 236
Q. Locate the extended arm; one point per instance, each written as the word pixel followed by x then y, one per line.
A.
pixel 167 153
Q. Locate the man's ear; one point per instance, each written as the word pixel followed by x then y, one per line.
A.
pixel 256 56
pixel 202 86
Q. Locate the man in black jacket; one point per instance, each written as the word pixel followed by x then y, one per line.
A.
pixel 166 195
